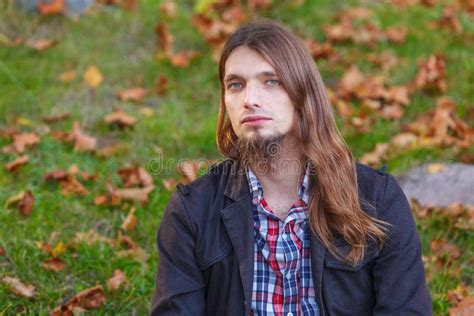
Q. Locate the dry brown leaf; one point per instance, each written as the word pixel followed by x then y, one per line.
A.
pixel 137 254
pixel 135 176
pixel 67 76
pixel 457 294
pixel 93 77
pixel 464 308
pixel 2 251
pixel 67 181
pixel 119 279
pixel 168 9
pixel 431 74
pixel 56 117
pixel 130 222
pixel 21 141
pixel 120 118
pixel 373 158
pixel 320 50
pixel 183 58
pixel 42 44
pixel 170 184
pixel 165 38
pixel 396 34
pixel 133 94
pixel 449 20
pixel 441 248
pixel 19 288
pixel 91 238
pixel 25 206
pixel 53 264
pixel 51 7
pixel 351 79
pixel 91 298
pixel 403 140
pixel 17 163
pixel 161 85
pixel 82 141
pixel 133 194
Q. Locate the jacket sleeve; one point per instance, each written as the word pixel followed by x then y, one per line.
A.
pixel 399 277
pixel 180 286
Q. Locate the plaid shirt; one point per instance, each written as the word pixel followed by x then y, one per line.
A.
pixel 282 280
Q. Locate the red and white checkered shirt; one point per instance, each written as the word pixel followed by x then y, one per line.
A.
pixel 282 279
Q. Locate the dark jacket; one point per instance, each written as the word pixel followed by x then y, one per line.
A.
pixel 205 245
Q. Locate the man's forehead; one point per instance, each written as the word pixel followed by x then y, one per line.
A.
pixel 246 62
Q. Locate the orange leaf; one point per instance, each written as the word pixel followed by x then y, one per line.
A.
pixel 130 222
pixel 43 44
pixel 120 118
pixel 20 142
pixel 91 298
pixel 464 308
pixel 132 94
pixel 53 264
pixel 14 165
pixel 83 142
pixel 118 280
pixel 51 7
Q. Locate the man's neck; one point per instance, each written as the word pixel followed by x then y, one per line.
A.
pixel 284 174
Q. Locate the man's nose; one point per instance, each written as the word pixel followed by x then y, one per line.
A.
pixel 252 96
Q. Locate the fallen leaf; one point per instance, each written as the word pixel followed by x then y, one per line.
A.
pixel 165 38
pixel 403 140
pixel 431 74
pixel 91 298
pixel 168 9
pixel 183 58
pixel 441 248
pixel 396 34
pixel 464 308
pixel 19 288
pixel 120 118
pixel 51 7
pixel 132 94
pixel 134 194
pixel 82 141
pixel 170 184
pixel 2 251
pixel 67 181
pixel 21 141
pixel 373 158
pixel 93 77
pixel 161 85
pixel 42 44
pixel 67 76
pixel 119 279
pixel 53 264
pixel 17 163
pixel 135 176
pixel 25 206
pixel 56 117
pixel 130 222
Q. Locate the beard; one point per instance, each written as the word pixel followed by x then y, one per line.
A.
pixel 261 153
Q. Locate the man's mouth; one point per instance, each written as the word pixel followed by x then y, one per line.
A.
pixel 255 119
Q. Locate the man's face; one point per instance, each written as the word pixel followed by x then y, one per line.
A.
pixel 257 104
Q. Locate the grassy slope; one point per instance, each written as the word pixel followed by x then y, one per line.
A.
pixel 122 45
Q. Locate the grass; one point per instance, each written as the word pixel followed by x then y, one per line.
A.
pixel 122 45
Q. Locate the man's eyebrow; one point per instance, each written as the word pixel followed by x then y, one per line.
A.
pixel 230 77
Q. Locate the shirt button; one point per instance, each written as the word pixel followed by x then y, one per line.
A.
pixel 289 314
pixel 284 237
pixel 288 276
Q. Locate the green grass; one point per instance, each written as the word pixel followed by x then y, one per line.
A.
pixel 122 45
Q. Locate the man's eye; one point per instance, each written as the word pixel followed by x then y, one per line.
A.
pixel 273 82
pixel 234 85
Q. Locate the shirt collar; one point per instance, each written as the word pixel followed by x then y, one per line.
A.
pixel 256 189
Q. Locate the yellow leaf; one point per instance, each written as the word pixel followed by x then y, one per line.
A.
pixel 59 249
pixel 93 77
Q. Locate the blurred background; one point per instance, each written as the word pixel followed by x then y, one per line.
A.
pixel 105 105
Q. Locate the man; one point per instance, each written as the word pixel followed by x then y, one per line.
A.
pixel 289 224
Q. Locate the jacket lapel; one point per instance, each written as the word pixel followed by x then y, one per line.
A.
pixel 238 221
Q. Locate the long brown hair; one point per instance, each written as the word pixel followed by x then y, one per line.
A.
pixel 334 205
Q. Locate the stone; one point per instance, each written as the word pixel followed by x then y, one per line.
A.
pixel 439 184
